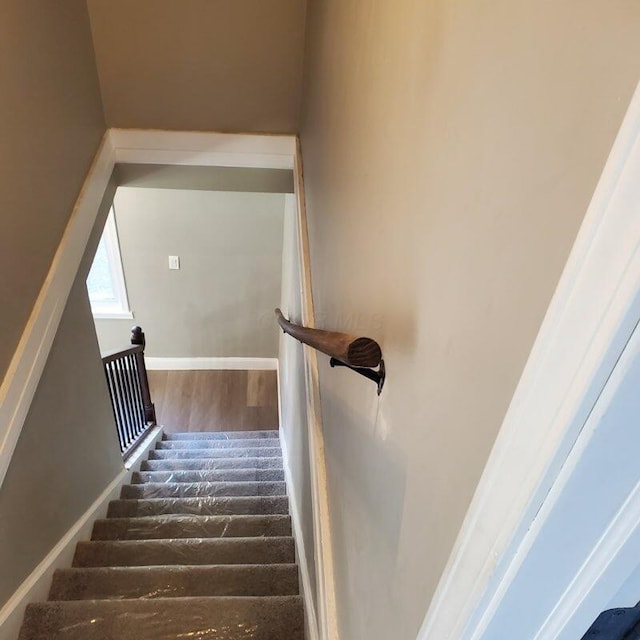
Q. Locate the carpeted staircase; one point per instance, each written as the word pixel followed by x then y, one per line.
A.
pixel 199 546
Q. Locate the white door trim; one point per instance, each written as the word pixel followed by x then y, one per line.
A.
pixel 613 553
pixel 590 319
pixel 118 145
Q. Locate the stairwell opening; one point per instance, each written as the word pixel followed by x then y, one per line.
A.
pixel 201 539
pixel 193 255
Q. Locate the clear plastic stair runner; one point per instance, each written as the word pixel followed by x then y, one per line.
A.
pixel 206 475
pixel 202 489
pixel 196 547
pixel 199 506
pixel 174 581
pixel 181 526
pixel 167 619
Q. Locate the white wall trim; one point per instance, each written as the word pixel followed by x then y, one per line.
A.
pixel 202 364
pixel 26 366
pixel 325 588
pixel 36 587
pixel 616 552
pixel 203 148
pixel 120 315
pixel 591 316
pixel 311 618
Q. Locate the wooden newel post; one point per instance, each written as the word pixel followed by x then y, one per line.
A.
pixel 137 338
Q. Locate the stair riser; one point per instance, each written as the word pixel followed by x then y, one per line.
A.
pixel 219 464
pixel 219 444
pixel 174 582
pixel 229 475
pixel 202 489
pixel 191 527
pixel 222 435
pixel 168 454
pixel 167 619
pixel 184 552
pixel 250 505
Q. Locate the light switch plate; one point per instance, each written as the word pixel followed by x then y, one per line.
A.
pixel 174 262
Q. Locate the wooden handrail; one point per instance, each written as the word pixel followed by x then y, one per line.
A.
pixel 351 350
pixel 110 356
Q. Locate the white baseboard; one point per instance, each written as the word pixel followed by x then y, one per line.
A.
pixel 36 587
pixel 203 364
pixel 311 617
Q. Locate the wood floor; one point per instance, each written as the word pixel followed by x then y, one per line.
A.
pixel 215 400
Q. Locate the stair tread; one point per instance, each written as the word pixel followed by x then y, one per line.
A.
pixel 244 452
pixel 174 581
pixel 192 526
pixel 232 618
pixel 192 551
pixel 207 475
pixel 220 505
pixel 221 435
pixel 201 464
pixel 201 489
pixel 235 443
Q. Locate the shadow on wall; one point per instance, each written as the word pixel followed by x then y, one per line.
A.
pixel 393 327
pixel 203 330
pixel 369 478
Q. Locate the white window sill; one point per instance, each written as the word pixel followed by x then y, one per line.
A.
pixel 113 315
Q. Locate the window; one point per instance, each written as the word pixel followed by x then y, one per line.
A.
pixel 105 283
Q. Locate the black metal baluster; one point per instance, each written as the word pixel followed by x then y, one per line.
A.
pixel 134 394
pixel 118 398
pixel 123 402
pixel 138 394
pixel 114 403
pixel 128 398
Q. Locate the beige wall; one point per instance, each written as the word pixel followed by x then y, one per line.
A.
pixel 67 453
pixel 220 303
pixel 200 64
pixel 52 124
pixel 450 151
